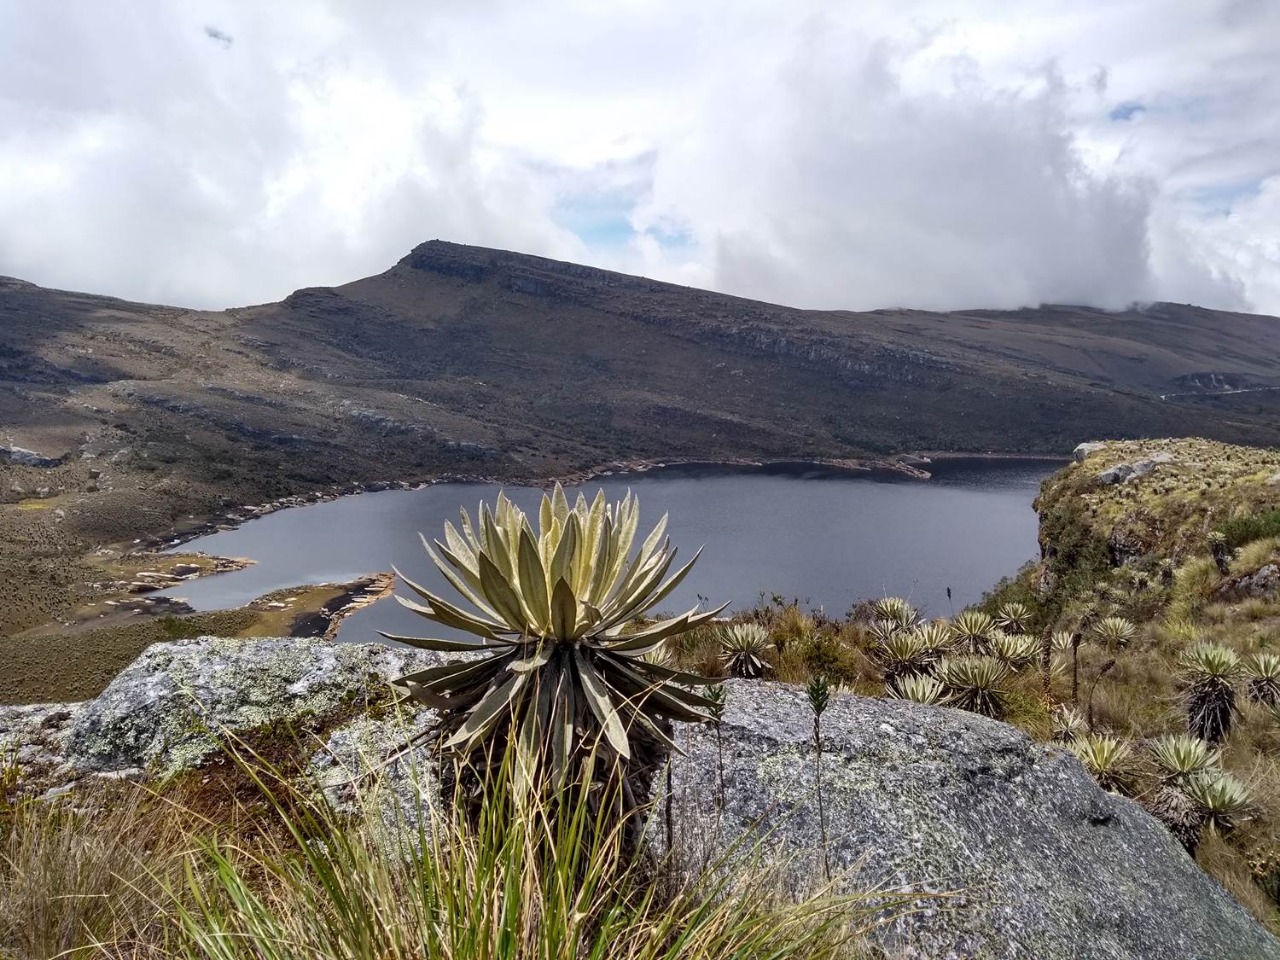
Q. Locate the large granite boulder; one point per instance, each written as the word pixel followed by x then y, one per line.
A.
pixel 929 798
pixel 167 710
pixel 1042 864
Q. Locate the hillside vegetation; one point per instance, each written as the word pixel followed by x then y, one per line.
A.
pixel 1146 639
pixel 125 420
pixel 1181 539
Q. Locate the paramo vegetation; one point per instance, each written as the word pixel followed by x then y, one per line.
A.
pixel 1146 641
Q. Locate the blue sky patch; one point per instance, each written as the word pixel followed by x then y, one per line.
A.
pixel 1126 111
pixel 1221 197
pixel 600 219
pixel 672 237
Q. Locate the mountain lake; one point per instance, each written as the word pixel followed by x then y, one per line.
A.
pixel 824 536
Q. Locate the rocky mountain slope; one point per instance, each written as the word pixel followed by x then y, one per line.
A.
pixel 462 355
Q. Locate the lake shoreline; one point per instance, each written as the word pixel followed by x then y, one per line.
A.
pixel 824 533
pixel 906 466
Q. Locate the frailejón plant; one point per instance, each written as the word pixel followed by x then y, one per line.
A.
pixel 1114 632
pixel 561 675
pixel 972 629
pixel 743 646
pixel 897 610
pixel 904 654
pixel 918 689
pixel 1211 671
pixel 1106 759
pixel 1013 617
pixel 1263 679
pixel 1179 757
pixel 974 683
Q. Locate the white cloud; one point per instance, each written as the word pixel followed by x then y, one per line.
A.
pixel 858 155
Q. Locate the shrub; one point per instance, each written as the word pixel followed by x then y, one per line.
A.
pixel 882 631
pixel 790 625
pixel 1236 533
pixel 824 654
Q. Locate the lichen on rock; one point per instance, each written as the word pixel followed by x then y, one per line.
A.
pixel 170 707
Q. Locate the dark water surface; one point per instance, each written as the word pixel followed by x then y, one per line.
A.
pixel 826 537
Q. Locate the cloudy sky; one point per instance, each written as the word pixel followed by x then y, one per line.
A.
pixel 828 154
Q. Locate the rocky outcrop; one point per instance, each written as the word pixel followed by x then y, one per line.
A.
pixel 28 458
pixel 1037 860
pixel 917 798
pixel 167 710
pixel 1263 582
pixel 1124 472
pixel 1083 451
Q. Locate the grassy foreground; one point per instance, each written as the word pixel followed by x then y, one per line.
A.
pixel 126 871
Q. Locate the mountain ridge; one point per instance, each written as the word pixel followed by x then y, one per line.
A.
pixel 495 349
pixel 133 421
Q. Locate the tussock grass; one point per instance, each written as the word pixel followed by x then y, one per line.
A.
pixel 1256 555
pixel 83 872
pixel 1193 586
pixel 123 871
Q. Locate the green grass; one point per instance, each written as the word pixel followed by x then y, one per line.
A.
pixel 1242 530
pixel 125 871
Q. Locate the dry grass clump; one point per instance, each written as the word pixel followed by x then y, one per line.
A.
pixel 124 871
pixel 91 868
pixel 1255 555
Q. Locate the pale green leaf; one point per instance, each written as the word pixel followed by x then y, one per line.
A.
pixel 506 600
pixel 533 581
pixel 488 711
pixel 601 704
pixel 564 611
